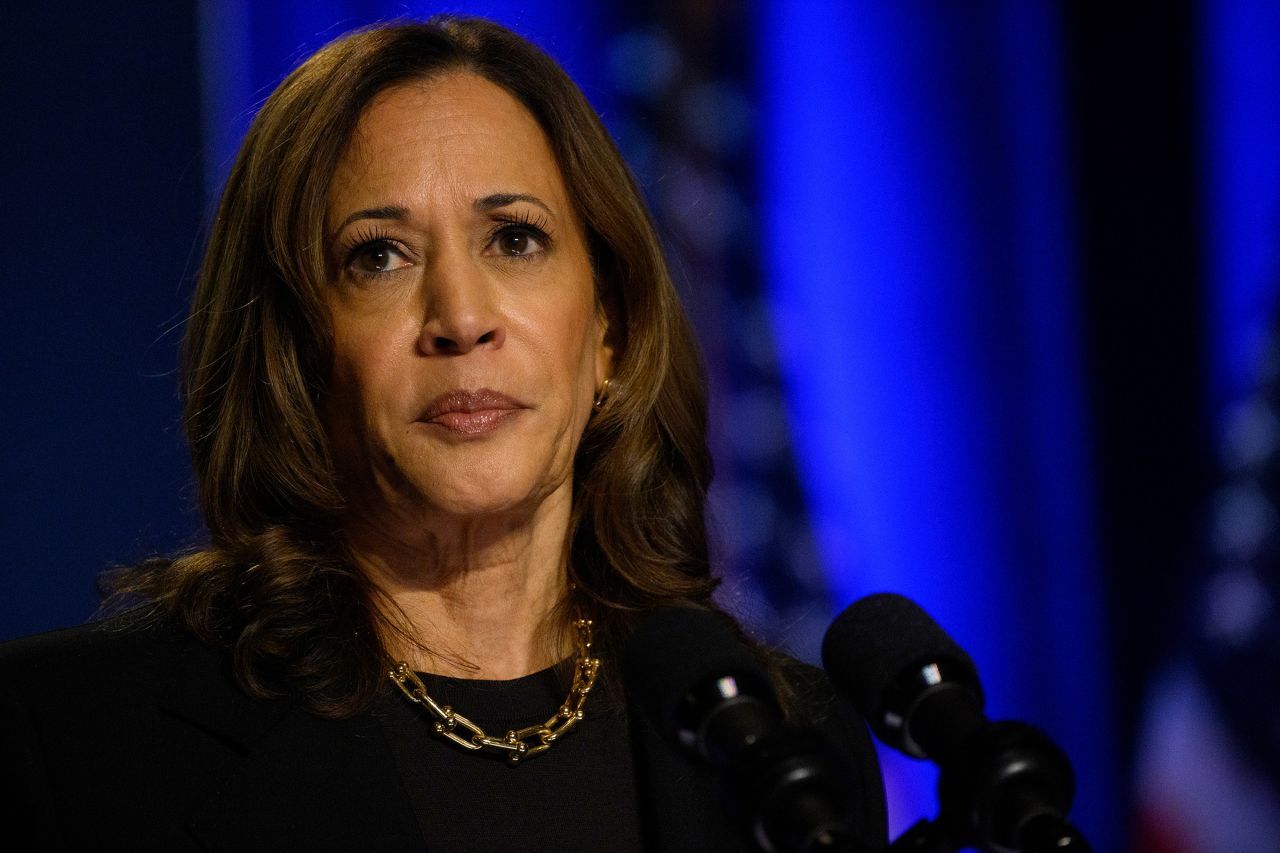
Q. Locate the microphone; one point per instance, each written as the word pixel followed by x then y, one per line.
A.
pixel 691 674
pixel 1004 786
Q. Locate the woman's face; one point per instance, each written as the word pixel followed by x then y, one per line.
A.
pixel 467 340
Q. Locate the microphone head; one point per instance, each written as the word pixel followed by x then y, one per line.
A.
pixel 884 652
pixel 691 673
pixel 1004 785
pixel 684 666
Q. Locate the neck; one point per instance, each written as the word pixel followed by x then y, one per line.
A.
pixel 475 597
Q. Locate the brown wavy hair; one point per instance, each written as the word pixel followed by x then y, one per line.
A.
pixel 275 583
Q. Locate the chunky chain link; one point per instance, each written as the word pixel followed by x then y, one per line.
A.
pixel 518 744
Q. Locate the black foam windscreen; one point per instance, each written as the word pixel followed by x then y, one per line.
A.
pixel 678 649
pixel 876 639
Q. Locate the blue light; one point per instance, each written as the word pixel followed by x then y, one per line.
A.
pixel 917 230
pixel 1241 87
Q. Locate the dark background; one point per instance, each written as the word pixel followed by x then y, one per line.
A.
pixel 104 207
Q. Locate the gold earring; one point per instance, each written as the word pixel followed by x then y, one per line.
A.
pixel 601 396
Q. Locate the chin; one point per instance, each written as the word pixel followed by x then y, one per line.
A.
pixel 479 496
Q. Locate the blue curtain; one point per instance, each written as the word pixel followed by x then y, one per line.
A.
pixel 1241 171
pixel 918 219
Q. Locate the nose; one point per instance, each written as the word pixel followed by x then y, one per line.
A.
pixel 461 314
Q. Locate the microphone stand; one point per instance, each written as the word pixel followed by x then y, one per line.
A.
pixel 929 836
pixel 924 836
pixel 1005 788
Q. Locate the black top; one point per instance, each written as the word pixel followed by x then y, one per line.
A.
pixel 477 801
pixel 126 736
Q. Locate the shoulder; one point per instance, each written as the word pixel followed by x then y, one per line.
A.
pixel 815 703
pixel 76 705
pixel 103 728
pixel 809 686
pixel 130 647
pixel 131 629
pixel 812 700
pixel 105 679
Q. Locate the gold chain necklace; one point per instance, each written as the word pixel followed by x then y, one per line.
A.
pixel 518 743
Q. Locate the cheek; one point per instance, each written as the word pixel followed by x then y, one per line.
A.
pixel 360 378
pixel 575 345
pixel 560 333
pixel 581 332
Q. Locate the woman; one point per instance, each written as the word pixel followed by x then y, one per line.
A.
pixel 446 418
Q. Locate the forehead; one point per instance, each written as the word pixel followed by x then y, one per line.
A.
pixel 458 135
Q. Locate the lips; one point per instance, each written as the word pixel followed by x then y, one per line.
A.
pixel 470 413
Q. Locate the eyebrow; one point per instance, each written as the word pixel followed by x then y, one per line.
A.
pixel 496 200
pixel 482 205
pixel 389 211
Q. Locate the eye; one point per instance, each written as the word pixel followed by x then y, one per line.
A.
pixel 521 238
pixel 517 241
pixel 377 257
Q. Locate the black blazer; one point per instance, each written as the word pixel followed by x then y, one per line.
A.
pixel 124 738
